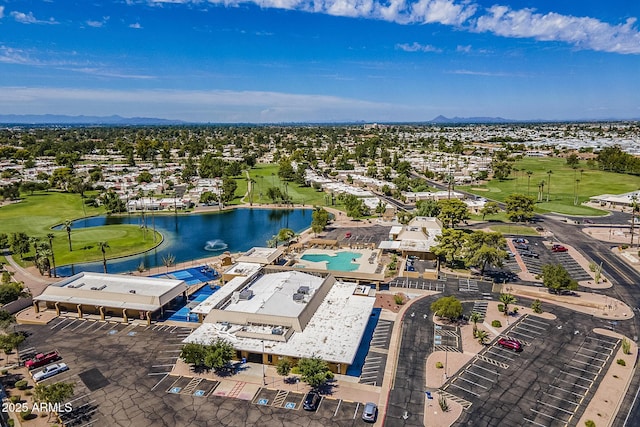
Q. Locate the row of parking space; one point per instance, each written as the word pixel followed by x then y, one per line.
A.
pixel 336 410
pixel 382 334
pixel 574 269
pixel 544 256
pixel 568 393
pixel 75 325
pixel 81 409
pixel 425 285
pixel 373 369
pixel 198 387
pixel 483 373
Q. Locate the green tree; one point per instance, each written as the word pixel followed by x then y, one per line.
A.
pixel 428 208
pixel 208 197
pixel 20 243
pixel 144 176
pixel 549 172
pixel 450 245
pixel 11 341
pixel 453 212
pixel 112 202
pixel 314 371
pixel 285 235
pixel 50 237
pixel 193 353
pixel 355 207
pixel 283 367
pixel 536 306
pixel 475 317
pixel 285 170
pixel 7 320
pixel 507 299
pixel 489 208
pixel 103 246
pixel 519 207
pixel 482 336
pixel 447 307
pixel 54 394
pixel 218 354
pixel 229 186
pixel 11 291
pixel 556 278
pixel 67 227
pixel 319 219
pixel 484 256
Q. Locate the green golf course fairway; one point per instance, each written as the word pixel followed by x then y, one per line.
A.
pixel 566 184
pixel 37 213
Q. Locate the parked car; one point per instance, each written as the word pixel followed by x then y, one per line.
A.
pixel 311 401
pixel 510 344
pixel 558 248
pixel 370 412
pixel 347 235
pixel 50 371
pixel 529 254
pixel 520 240
pixel 521 247
pixel 42 359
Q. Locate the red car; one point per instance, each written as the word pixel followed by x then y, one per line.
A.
pixel 42 359
pixel 510 344
pixel 558 248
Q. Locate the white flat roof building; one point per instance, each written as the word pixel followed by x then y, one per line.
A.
pixel 261 255
pixel 114 291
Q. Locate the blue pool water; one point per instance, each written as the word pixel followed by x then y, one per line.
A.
pixel 192 276
pixel 355 370
pixel 341 261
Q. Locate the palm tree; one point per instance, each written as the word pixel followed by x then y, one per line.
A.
pixel 482 336
pixel 51 236
pixel 67 226
pixel 529 173
pixel 540 190
pixel 103 246
pixel 168 260
pixel 507 299
pixel 475 317
pixel 549 172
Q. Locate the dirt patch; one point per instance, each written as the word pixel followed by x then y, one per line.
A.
pixel 387 301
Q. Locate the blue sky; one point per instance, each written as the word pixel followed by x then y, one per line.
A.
pixel 321 60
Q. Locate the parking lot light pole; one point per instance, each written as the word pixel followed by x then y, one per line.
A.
pixel 264 376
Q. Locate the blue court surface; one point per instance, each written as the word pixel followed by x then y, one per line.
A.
pixel 356 367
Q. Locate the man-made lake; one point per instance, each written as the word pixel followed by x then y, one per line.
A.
pixel 195 236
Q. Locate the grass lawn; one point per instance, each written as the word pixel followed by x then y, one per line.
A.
pixel 563 187
pixel 266 175
pixel 522 230
pixel 37 213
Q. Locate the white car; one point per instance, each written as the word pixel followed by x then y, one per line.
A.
pixel 50 371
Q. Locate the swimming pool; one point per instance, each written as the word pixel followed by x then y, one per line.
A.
pixel 341 261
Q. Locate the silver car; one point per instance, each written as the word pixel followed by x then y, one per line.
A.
pixel 50 371
pixel 370 412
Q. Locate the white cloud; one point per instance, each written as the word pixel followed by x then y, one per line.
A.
pixel 463 49
pixel 98 24
pixel 9 55
pixel 136 26
pixel 417 47
pixel 582 32
pixel 1 12
pixel 28 18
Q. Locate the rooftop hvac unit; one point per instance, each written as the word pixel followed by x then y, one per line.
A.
pixel 297 297
pixel 235 297
pixel 277 331
pixel 246 295
pixel 303 290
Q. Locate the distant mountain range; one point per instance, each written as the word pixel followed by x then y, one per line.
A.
pixel 58 119
pixel 443 119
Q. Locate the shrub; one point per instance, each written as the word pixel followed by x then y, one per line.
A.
pixel 621 362
pixel 589 423
pixel 626 346
pixel 11 422
pixel 496 324
pixel 21 385
pixel 501 308
pixel 4 372
pixel 398 299
pixel 26 415
pixel 442 401
pixel 15 399
pixel 536 306
pixel 439 365
pixel 295 370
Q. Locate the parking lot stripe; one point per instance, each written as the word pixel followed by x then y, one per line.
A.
pixel 59 323
pixel 575 384
pixel 158 383
pixel 523 334
pixel 532 319
pixel 566 391
pixel 66 326
pixel 355 413
pixel 471 382
pixel 548 416
pixel 581 377
pixel 595 374
pixel 554 407
pixel 478 375
pixel 79 326
pixel 475 365
pixel 592 351
pixel 523 324
pixel 535 423
pixel 464 389
pixel 339 403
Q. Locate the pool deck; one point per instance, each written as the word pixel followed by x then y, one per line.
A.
pixel 364 266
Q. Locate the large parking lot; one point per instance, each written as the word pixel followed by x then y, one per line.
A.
pixel 546 256
pixel 122 377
